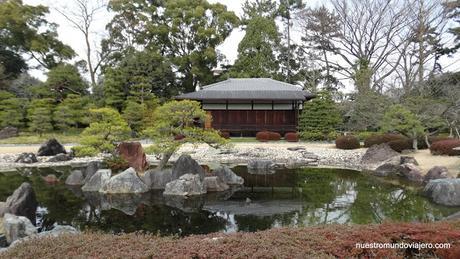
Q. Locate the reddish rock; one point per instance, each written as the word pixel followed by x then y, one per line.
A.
pixel 51 179
pixel 134 154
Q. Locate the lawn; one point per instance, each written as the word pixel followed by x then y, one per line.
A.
pixel 32 138
pixel 328 241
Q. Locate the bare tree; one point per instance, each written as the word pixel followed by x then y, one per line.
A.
pixel 420 58
pixel 370 34
pixel 82 16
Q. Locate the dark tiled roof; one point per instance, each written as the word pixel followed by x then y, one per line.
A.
pixel 249 89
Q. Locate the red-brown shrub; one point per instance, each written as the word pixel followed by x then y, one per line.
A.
pixel 324 241
pixel 400 144
pixel 275 136
pixel 291 137
pixel 382 138
pixel 263 136
pixel 347 142
pixel 224 134
pixel 179 137
pixel 446 147
pixel 433 139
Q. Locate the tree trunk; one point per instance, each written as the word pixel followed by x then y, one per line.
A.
pixel 164 160
pixel 415 144
pixel 427 141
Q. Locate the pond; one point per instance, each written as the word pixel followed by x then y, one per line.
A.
pixel 294 197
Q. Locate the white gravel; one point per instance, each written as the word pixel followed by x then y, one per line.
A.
pixel 317 154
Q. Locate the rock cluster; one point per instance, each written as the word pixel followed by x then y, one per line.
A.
pixel 22 203
pixel 51 147
pixel 444 191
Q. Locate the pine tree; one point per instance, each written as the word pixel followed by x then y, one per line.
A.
pixel 40 114
pixel 320 117
pixel 11 110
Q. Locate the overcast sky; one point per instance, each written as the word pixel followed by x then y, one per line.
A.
pixel 72 37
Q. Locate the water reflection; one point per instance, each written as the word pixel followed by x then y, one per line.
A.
pixel 300 197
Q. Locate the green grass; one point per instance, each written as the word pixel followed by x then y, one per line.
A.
pixel 242 139
pixel 32 138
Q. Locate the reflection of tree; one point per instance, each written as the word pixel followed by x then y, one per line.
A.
pixel 158 219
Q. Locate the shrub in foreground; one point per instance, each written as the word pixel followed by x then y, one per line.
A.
pixel 347 142
pixel 83 151
pixel 446 147
pixel 328 241
pixel 262 136
pixel 291 137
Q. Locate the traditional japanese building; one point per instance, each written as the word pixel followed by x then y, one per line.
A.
pixel 250 105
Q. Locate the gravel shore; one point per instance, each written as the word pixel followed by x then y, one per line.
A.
pixel 289 154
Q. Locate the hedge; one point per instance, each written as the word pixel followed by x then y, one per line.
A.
pixel 347 142
pixel 291 137
pixel 446 147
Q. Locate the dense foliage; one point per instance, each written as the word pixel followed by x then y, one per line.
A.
pixel 320 118
pixel 179 118
pixel 106 128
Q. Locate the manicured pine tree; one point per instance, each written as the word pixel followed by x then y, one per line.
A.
pixel 319 117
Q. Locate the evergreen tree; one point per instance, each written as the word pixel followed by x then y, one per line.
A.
pixel 12 110
pixel 402 120
pixel 320 117
pixel 140 76
pixel 39 115
pixel 72 112
pixel 134 115
pixel 257 50
pixel 106 128
pixel 64 80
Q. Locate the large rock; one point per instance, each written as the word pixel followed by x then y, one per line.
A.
pixel 60 158
pixel 125 182
pixel 17 227
pixel 9 132
pixel 157 179
pixel 444 191
pixel 90 170
pixel 378 154
pixel 23 202
pixel 437 172
pixel 387 168
pixel 228 176
pixel 186 185
pixel 215 184
pixel 134 154
pixel 187 165
pixel 75 178
pixel 97 181
pixel 51 147
pixel 27 158
pixel 411 172
pixel 408 159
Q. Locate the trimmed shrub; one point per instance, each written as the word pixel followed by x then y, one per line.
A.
pixel 446 147
pixel 347 142
pixel 312 136
pixel 400 144
pixel 382 138
pixel 262 136
pixel 433 139
pixel 116 163
pixel 275 136
pixel 224 134
pixel 291 137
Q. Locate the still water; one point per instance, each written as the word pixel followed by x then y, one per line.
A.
pixel 295 197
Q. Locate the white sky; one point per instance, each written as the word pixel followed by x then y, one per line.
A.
pixel 72 37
